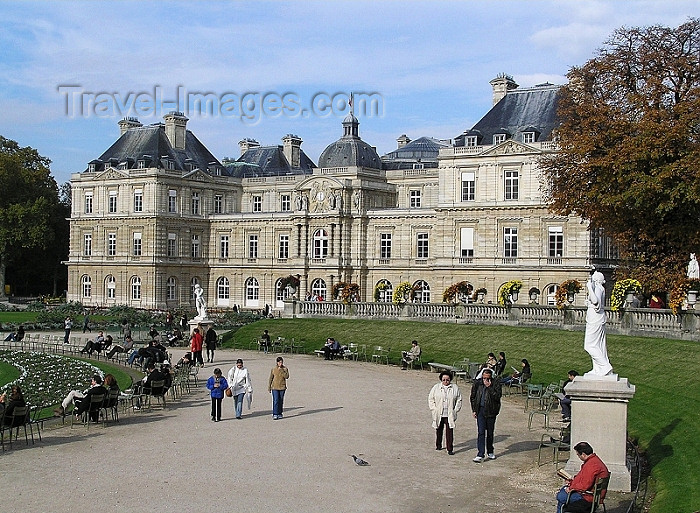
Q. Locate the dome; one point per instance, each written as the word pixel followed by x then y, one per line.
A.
pixel 350 150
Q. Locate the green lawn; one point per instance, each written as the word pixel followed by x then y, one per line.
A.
pixel 17 317
pixel 667 427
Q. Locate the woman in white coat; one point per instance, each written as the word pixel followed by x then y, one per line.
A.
pixel 239 381
pixel 444 401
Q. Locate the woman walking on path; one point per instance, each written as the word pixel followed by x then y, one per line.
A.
pixel 217 384
pixel 444 401
pixel 277 385
pixel 196 343
pixel 239 381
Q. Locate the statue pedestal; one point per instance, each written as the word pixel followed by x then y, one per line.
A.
pixel 599 417
pixel 204 323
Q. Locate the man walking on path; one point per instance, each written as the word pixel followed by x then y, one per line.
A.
pixel 485 400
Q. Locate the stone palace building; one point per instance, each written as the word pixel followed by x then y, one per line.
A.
pixel 157 213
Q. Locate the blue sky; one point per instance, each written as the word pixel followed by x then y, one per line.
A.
pixel 429 62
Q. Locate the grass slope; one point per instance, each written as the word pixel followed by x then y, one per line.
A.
pixel 662 414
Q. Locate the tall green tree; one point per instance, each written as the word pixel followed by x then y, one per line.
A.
pixel 28 202
pixel 630 148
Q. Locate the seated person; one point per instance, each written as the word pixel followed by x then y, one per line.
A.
pixel 116 348
pixel 331 349
pixel 410 355
pixel 144 386
pixel 108 342
pixel 153 333
pixel 137 354
pixel 9 402
pixel 81 400
pixel 500 365
pixel 519 377
pixel 581 485
pixel 173 337
pixel 490 363
pixel 15 336
pixel 565 400
pixel 94 345
pixel 185 361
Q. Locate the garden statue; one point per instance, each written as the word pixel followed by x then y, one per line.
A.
pixel 594 342
pixel 693 268
pixel 200 303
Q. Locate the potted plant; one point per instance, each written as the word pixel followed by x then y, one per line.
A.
pixel 401 293
pixel 290 282
pixel 566 292
pixel 480 294
pixel 681 294
pixel 457 291
pixel 534 292
pixel 623 293
pixel 508 293
pixel 378 288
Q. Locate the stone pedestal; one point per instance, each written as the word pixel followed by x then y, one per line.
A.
pixel 205 325
pixel 599 417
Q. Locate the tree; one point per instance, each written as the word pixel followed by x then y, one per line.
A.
pixel 28 204
pixel 630 154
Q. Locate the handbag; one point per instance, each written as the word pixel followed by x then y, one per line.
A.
pixel 229 392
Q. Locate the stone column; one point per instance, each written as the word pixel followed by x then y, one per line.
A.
pixel 599 417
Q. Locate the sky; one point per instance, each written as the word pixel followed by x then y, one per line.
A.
pixel 69 71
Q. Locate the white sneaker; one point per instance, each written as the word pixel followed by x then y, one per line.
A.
pixel 492 456
pixel 478 459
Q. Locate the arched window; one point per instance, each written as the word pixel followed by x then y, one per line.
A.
pixel 171 289
pixel 87 286
pixel 385 291
pixel 136 288
pixel 223 291
pixel 110 287
pixel 551 293
pixel 422 292
pixel 320 244
pixel 281 293
pixel 252 292
pixel 194 281
pixel 318 289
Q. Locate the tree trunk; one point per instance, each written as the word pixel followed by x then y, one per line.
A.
pixel 2 277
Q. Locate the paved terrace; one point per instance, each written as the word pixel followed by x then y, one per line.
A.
pixel 178 460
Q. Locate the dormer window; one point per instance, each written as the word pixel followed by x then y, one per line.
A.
pixel 499 138
pixel 169 164
pixel 123 165
pixel 470 140
pixel 141 164
pixel 528 137
pixel 91 167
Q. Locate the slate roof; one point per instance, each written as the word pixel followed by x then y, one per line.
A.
pixel 421 149
pixel 151 141
pixel 520 110
pixel 268 161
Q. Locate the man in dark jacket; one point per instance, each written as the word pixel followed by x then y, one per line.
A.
pixel 83 404
pixel 485 399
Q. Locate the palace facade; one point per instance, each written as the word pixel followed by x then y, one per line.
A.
pixel 157 213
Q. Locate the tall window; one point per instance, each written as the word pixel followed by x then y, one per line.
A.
pixel 137 244
pixel 111 244
pixel 252 246
pixel 88 202
pixel 318 288
pixel 87 286
pixel 172 201
pixel 422 292
pixel 385 291
pixel 223 288
pixel 195 203
pixel 218 204
pixel 385 245
pixel 111 286
pixel 223 246
pixel 284 246
pixel 138 200
pixel 112 202
pixel 252 289
pixel 172 245
pixel 468 187
pixel 466 242
pixel 285 203
pixel 195 246
pixel 320 244
pixel 136 288
pixel 556 241
pixel 257 203
pixel 511 185
pixel 422 245
pixel 414 198
pixel 510 242
pixel 171 289
pixel 87 245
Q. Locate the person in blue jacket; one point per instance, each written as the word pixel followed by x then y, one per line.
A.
pixel 217 384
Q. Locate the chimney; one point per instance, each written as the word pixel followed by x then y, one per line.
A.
pixel 292 149
pixel 501 85
pixel 127 123
pixel 247 144
pixel 402 141
pixel 175 129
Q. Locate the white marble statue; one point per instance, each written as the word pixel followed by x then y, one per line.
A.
pixel 693 268
pixel 200 303
pixel 594 342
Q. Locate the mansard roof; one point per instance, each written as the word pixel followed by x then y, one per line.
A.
pixel 422 148
pixel 150 143
pixel 532 109
pixel 268 161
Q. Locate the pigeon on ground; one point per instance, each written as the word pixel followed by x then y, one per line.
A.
pixel 359 461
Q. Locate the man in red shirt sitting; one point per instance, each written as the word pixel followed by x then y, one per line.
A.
pixel 581 485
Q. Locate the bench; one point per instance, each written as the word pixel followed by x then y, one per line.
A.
pixel 439 367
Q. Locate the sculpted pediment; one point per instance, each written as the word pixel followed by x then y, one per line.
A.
pixel 319 195
pixel 112 173
pixel 510 148
pixel 198 176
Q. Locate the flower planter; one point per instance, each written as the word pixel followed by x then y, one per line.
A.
pixel 629 298
pixel 480 297
pixel 513 297
pixel 692 297
pixel 570 297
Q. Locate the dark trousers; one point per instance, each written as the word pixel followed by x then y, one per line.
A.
pixel 197 357
pixel 485 427
pixel 449 435
pixel 216 408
